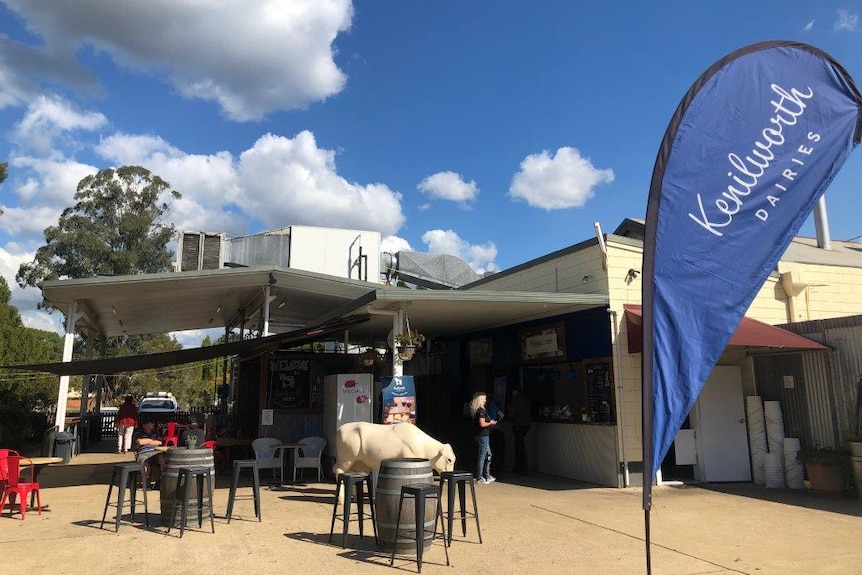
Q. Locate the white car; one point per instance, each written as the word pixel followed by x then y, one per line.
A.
pixel 158 403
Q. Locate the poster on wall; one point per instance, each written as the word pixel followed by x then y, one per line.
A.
pixel 399 399
pixel 543 343
pixel 289 381
pixel 480 351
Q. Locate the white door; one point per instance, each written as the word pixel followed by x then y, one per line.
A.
pixel 718 419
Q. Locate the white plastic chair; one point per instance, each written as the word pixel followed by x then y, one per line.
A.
pixel 265 454
pixel 309 458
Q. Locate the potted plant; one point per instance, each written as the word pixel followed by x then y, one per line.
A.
pixel 407 342
pixel 826 469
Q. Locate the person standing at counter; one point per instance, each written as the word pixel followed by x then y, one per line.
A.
pixel 519 413
pixel 483 424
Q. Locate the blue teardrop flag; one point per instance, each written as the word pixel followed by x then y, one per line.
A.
pixel 750 149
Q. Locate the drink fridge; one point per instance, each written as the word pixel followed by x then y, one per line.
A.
pixel 347 397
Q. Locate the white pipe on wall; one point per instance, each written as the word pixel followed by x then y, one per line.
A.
pixel 620 396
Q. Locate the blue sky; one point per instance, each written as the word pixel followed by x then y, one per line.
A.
pixel 497 131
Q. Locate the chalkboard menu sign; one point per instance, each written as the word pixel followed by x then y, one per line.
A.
pixel 317 392
pixel 600 390
pixel 290 383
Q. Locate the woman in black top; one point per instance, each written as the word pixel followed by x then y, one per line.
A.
pixel 483 425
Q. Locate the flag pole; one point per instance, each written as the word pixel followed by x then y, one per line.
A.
pixel 646 539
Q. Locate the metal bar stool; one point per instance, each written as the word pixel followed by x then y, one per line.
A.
pixel 419 492
pixel 361 483
pixel 126 475
pixel 199 474
pixel 459 479
pixel 239 465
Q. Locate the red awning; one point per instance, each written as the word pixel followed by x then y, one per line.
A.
pixel 750 333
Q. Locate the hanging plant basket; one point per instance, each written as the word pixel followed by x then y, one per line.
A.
pixel 406 352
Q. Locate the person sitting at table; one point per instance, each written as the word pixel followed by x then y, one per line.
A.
pixel 147 438
pixel 193 436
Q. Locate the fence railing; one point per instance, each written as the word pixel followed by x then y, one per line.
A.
pixel 109 428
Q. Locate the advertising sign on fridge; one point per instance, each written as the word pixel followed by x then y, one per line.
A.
pixel 347 398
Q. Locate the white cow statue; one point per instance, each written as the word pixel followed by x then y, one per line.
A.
pixel 361 446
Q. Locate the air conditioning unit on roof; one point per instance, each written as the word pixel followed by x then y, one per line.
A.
pixel 200 251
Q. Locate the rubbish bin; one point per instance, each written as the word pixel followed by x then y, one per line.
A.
pixel 48 439
pixel 65 446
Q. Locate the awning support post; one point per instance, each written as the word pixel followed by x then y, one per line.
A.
pixel 68 343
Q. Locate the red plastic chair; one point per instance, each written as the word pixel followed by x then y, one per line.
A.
pixel 10 472
pixel 172 438
pixel 218 455
pixel 4 453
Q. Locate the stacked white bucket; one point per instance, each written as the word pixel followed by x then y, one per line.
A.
pixel 773 456
pixel 756 437
pixel 792 468
pixel 774 465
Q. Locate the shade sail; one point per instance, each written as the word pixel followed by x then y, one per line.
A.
pixel 749 333
pixel 165 359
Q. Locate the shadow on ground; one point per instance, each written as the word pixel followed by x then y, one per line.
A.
pixel 795 497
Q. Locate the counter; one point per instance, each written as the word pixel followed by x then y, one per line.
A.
pixel 576 450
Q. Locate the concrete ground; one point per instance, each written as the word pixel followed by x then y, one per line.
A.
pixel 536 524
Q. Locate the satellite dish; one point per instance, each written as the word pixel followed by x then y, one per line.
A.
pixel 390 339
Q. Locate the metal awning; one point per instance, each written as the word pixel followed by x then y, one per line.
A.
pixel 750 333
pixel 176 301
pixel 112 365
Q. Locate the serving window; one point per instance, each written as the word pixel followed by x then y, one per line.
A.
pixel 571 392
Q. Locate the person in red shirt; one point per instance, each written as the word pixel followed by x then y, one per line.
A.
pixel 126 421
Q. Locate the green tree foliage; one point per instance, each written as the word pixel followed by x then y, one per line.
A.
pixel 23 394
pixel 116 227
pixel 138 383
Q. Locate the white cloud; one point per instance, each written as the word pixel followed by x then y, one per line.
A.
pixel 847 20
pixel 28 222
pixel 291 181
pixel 47 181
pixel 480 257
pixel 278 182
pixel 193 337
pixel 808 27
pixel 12 255
pixel 566 180
pixel 449 186
pixel 394 244
pixel 48 117
pixel 252 57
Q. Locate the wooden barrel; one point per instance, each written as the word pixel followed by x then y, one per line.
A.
pixel 393 474
pixel 175 458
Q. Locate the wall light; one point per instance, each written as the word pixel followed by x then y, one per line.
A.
pixel 631 275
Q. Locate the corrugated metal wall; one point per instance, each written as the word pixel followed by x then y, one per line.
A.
pixel 771 372
pixel 832 376
pixel 806 406
pixel 260 250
